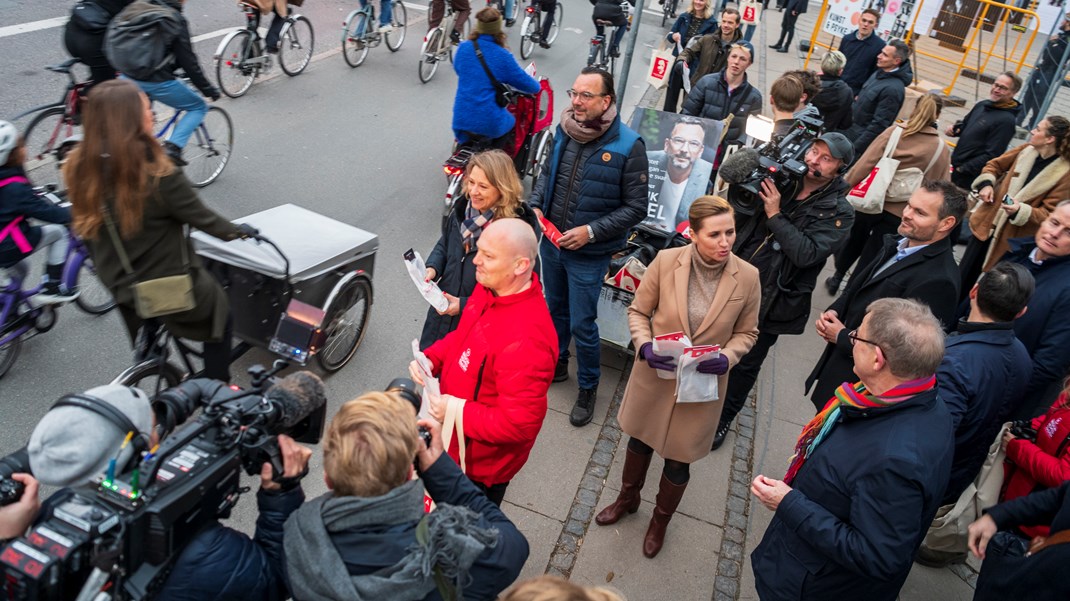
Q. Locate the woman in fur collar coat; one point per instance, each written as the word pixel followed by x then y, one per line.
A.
pixel 1035 177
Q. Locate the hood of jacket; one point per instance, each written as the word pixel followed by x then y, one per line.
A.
pixel 904 74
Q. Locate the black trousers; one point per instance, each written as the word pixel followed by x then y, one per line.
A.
pixel 676 85
pixel 973 259
pixel 494 492
pixel 865 240
pixel 743 376
pixel 89 48
pixel 787 29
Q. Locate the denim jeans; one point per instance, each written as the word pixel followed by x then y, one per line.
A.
pixel 386 11
pixel 748 32
pixel 572 283
pixel 508 8
pixel 178 96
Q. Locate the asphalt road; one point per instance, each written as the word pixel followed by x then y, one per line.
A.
pixel 363 146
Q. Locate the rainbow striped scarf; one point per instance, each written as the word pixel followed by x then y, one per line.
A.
pixel 851 395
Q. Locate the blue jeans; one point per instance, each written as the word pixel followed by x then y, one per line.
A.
pixel 386 11
pixel 180 97
pixel 748 32
pixel 508 8
pixel 572 283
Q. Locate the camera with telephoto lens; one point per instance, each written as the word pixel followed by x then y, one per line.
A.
pixel 780 159
pixel 122 534
pixel 1023 428
pixel 406 389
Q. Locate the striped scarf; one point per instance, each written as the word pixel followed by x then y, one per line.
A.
pixel 473 225
pixel 851 395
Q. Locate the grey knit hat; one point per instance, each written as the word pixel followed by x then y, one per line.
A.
pixel 71 445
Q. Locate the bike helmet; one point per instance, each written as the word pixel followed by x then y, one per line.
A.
pixel 9 139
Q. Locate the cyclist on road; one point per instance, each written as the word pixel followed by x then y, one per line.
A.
pixel 461 9
pixel 612 11
pixel 162 85
pixel 281 10
pixel 18 202
pixel 548 8
pixel 84 37
pixel 476 112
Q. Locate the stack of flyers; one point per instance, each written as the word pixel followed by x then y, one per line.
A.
pixel 692 386
pixel 431 389
pixel 672 345
pixel 550 230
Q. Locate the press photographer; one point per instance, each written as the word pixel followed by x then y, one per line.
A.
pixel 787 230
pixel 369 538
pixel 139 516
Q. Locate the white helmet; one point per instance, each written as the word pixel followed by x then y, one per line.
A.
pixel 9 139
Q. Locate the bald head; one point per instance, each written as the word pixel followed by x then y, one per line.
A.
pixel 506 257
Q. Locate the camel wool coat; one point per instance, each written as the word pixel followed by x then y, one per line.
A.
pixel 649 411
pixel 1037 196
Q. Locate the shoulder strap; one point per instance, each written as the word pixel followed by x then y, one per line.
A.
pixel 932 161
pixel 119 248
pixel 893 142
pixel 1043 542
pixel 479 54
pixel 17 179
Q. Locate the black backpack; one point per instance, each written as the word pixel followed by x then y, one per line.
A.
pixel 139 38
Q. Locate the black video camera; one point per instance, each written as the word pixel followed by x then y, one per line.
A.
pixel 781 159
pixel 123 533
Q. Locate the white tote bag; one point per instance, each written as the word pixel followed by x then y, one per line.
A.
pixel 868 195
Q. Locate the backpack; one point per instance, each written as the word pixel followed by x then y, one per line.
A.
pixel 139 39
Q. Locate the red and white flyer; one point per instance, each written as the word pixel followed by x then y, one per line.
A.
pixel 672 345
pixel 552 233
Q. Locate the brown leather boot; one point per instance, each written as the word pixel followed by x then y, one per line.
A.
pixel 635 466
pixel 668 500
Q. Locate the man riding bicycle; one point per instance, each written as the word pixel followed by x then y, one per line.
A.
pixel 613 12
pixel 159 82
pixel 438 9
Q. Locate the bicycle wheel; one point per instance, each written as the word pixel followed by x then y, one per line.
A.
pixel 93 297
pixel 152 376
pixel 529 31
pixel 9 351
pixel 399 20
pixel 429 57
pixel 348 315
pixel 541 164
pixel 209 150
pixel 354 45
pixel 44 136
pixel 555 24
pixel 233 71
pixel 665 8
pixel 295 47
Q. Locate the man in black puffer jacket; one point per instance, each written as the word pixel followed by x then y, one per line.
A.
pixel 85 40
pixel 835 98
pixel 882 96
pixel 718 95
pixel 986 130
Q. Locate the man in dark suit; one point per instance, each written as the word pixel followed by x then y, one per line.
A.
pixel 920 266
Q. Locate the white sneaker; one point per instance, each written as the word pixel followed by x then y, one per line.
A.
pixel 385 29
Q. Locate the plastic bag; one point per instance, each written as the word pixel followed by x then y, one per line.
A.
pixel 691 386
pixel 431 388
pixel 430 290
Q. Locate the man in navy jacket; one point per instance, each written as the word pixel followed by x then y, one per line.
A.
pixel 861 48
pixel 847 524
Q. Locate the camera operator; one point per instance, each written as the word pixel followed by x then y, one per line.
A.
pixel 16 518
pixel 370 538
pixel 788 235
pixel 72 444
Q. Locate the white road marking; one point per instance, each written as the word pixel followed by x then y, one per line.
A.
pixel 11 30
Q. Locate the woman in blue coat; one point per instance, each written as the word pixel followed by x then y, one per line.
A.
pixel 698 20
pixel 476 113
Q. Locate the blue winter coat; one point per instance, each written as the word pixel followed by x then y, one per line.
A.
pixel 861 58
pixel 981 380
pixel 1045 328
pixel 18 200
pixel 859 507
pixel 683 23
pixel 474 108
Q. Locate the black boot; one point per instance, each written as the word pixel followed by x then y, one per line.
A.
pixel 787 43
pixel 722 433
pixel 583 410
pixel 175 153
pixel 561 371
pixel 52 290
pixel 832 284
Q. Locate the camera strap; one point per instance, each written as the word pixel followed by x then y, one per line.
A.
pixel 108 412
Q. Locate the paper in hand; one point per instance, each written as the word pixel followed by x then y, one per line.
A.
pixel 692 386
pixel 431 388
pixel 672 345
pixel 414 263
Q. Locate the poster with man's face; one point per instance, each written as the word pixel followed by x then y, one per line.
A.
pixel 680 151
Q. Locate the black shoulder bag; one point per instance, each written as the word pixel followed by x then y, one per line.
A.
pixel 501 93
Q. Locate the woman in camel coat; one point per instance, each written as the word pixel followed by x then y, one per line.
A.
pixel 712 296
pixel 1036 176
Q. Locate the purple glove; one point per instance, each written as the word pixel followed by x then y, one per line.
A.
pixel 717 366
pixel 654 360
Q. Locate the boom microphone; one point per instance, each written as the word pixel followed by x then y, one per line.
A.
pixel 296 397
pixel 739 165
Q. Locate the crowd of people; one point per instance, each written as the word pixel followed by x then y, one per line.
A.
pixel 926 357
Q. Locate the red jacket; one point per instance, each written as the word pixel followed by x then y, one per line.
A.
pixel 512 342
pixel 1040 465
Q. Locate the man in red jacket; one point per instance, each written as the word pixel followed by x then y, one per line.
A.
pixel 499 360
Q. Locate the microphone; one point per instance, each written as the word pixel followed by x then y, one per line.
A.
pixel 296 397
pixel 739 165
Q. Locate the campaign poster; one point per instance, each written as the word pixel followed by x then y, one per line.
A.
pixel 896 16
pixel 680 151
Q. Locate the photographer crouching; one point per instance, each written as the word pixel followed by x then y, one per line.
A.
pixel 787 225
pixel 370 538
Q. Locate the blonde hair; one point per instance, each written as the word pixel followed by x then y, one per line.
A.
pixel 370 445
pixel 707 206
pixel 926 112
pixel 832 63
pixel 553 588
pixel 500 172
pixel 706 13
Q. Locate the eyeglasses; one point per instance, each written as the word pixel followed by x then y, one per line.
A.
pixel 692 145
pixel 585 96
pixel 999 86
pixel 855 338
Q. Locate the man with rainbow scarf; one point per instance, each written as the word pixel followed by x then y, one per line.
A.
pixel 868 472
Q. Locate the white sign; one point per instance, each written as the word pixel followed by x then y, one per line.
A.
pixel 842 16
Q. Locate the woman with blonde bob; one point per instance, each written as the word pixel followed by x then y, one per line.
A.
pixel 131 206
pixel 491 191
pixel 554 588
pixel 710 294
pixel 919 147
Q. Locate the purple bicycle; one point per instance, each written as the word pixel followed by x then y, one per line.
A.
pixel 21 318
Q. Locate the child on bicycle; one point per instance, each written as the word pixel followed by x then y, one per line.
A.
pixel 18 202
pixel 612 11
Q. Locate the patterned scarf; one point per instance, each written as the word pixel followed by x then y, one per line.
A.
pixel 473 225
pixel 851 395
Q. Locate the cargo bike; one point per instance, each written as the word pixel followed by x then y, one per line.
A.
pixel 302 290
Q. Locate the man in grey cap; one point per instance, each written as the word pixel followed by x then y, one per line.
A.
pixel 75 441
pixel 788 235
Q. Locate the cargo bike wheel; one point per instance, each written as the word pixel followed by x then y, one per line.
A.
pixel 345 324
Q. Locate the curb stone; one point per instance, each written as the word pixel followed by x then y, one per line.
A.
pixel 731 558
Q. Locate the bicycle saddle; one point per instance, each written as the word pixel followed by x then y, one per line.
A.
pixel 64 67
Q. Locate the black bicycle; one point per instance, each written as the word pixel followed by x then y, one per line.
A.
pixel 531 29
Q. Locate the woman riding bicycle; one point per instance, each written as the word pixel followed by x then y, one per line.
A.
pixel 131 206
pixel 18 202
pixel 478 117
pixel 612 11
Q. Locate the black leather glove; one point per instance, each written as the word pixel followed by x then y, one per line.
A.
pixel 213 93
pixel 247 231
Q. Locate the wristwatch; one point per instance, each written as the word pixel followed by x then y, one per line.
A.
pixel 590 233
